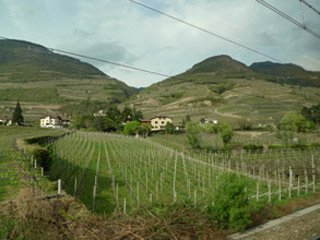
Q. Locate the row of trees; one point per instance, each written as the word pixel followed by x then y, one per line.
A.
pixel 193 131
pixel 112 121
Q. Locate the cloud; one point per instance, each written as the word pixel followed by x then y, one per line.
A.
pixel 110 51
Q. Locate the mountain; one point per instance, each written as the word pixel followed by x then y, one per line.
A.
pixel 223 88
pixel 287 73
pixel 45 81
pixel 220 64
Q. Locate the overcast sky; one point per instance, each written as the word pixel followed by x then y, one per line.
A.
pixel 121 31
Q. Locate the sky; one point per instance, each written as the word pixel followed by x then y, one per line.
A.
pixel 123 32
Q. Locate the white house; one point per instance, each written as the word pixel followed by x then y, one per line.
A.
pixel 204 121
pixel 158 123
pixel 100 113
pixel 50 122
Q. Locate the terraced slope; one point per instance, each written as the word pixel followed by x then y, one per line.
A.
pixel 223 88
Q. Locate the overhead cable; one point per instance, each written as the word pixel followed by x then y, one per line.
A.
pixel 310 6
pixel 205 30
pixel 287 17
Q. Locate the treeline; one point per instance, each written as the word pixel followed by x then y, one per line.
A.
pixel 111 120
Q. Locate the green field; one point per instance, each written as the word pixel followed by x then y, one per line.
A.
pixel 14 171
pixel 118 173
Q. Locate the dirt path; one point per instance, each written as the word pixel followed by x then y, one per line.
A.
pixel 230 115
pixel 303 224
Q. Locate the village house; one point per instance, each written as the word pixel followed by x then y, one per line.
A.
pixel 51 122
pixel 158 123
pixel 6 122
pixel 100 113
pixel 205 121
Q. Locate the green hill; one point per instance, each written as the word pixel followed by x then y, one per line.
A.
pixel 287 73
pixel 45 81
pixel 223 88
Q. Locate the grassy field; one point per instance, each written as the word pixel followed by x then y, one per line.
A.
pixel 14 171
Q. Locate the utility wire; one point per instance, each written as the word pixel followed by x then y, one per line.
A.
pixel 310 6
pixel 205 30
pixel 110 62
pixel 287 17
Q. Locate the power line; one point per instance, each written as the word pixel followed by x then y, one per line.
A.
pixel 205 30
pixel 109 62
pixel 310 6
pixel 101 60
pixel 290 19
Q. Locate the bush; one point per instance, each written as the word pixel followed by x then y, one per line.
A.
pixel 253 148
pixel 193 131
pixel 132 128
pixel 245 125
pixel 231 207
pixel 226 133
pixel 295 122
pixel 170 129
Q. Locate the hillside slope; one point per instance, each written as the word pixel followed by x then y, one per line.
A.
pixel 287 74
pixel 44 81
pixel 223 88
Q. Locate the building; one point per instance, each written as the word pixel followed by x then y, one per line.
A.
pixel 205 121
pixel 100 113
pixel 50 122
pixel 6 121
pixel 158 123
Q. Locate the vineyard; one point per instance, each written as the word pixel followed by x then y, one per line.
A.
pixel 119 173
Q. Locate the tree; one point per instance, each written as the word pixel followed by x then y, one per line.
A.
pixel 17 117
pixel 126 114
pixel 132 128
pixel 170 128
pixel 193 131
pixel 295 122
pixel 186 120
pixel 312 114
pixel 145 129
pixel 226 132
pixel 137 115
pixel 98 123
pixel 112 122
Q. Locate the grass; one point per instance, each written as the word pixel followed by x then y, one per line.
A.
pixel 13 170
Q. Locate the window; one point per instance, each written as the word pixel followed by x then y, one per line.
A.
pixel 162 122
pixel 156 122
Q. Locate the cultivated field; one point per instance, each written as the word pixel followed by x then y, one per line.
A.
pixel 118 173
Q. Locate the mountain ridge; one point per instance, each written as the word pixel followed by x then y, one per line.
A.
pixel 45 81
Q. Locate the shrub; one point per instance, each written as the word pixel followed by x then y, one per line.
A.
pixel 170 129
pixel 231 207
pixel 226 133
pixel 245 125
pixel 253 148
pixel 131 128
pixel 295 122
pixel 193 131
